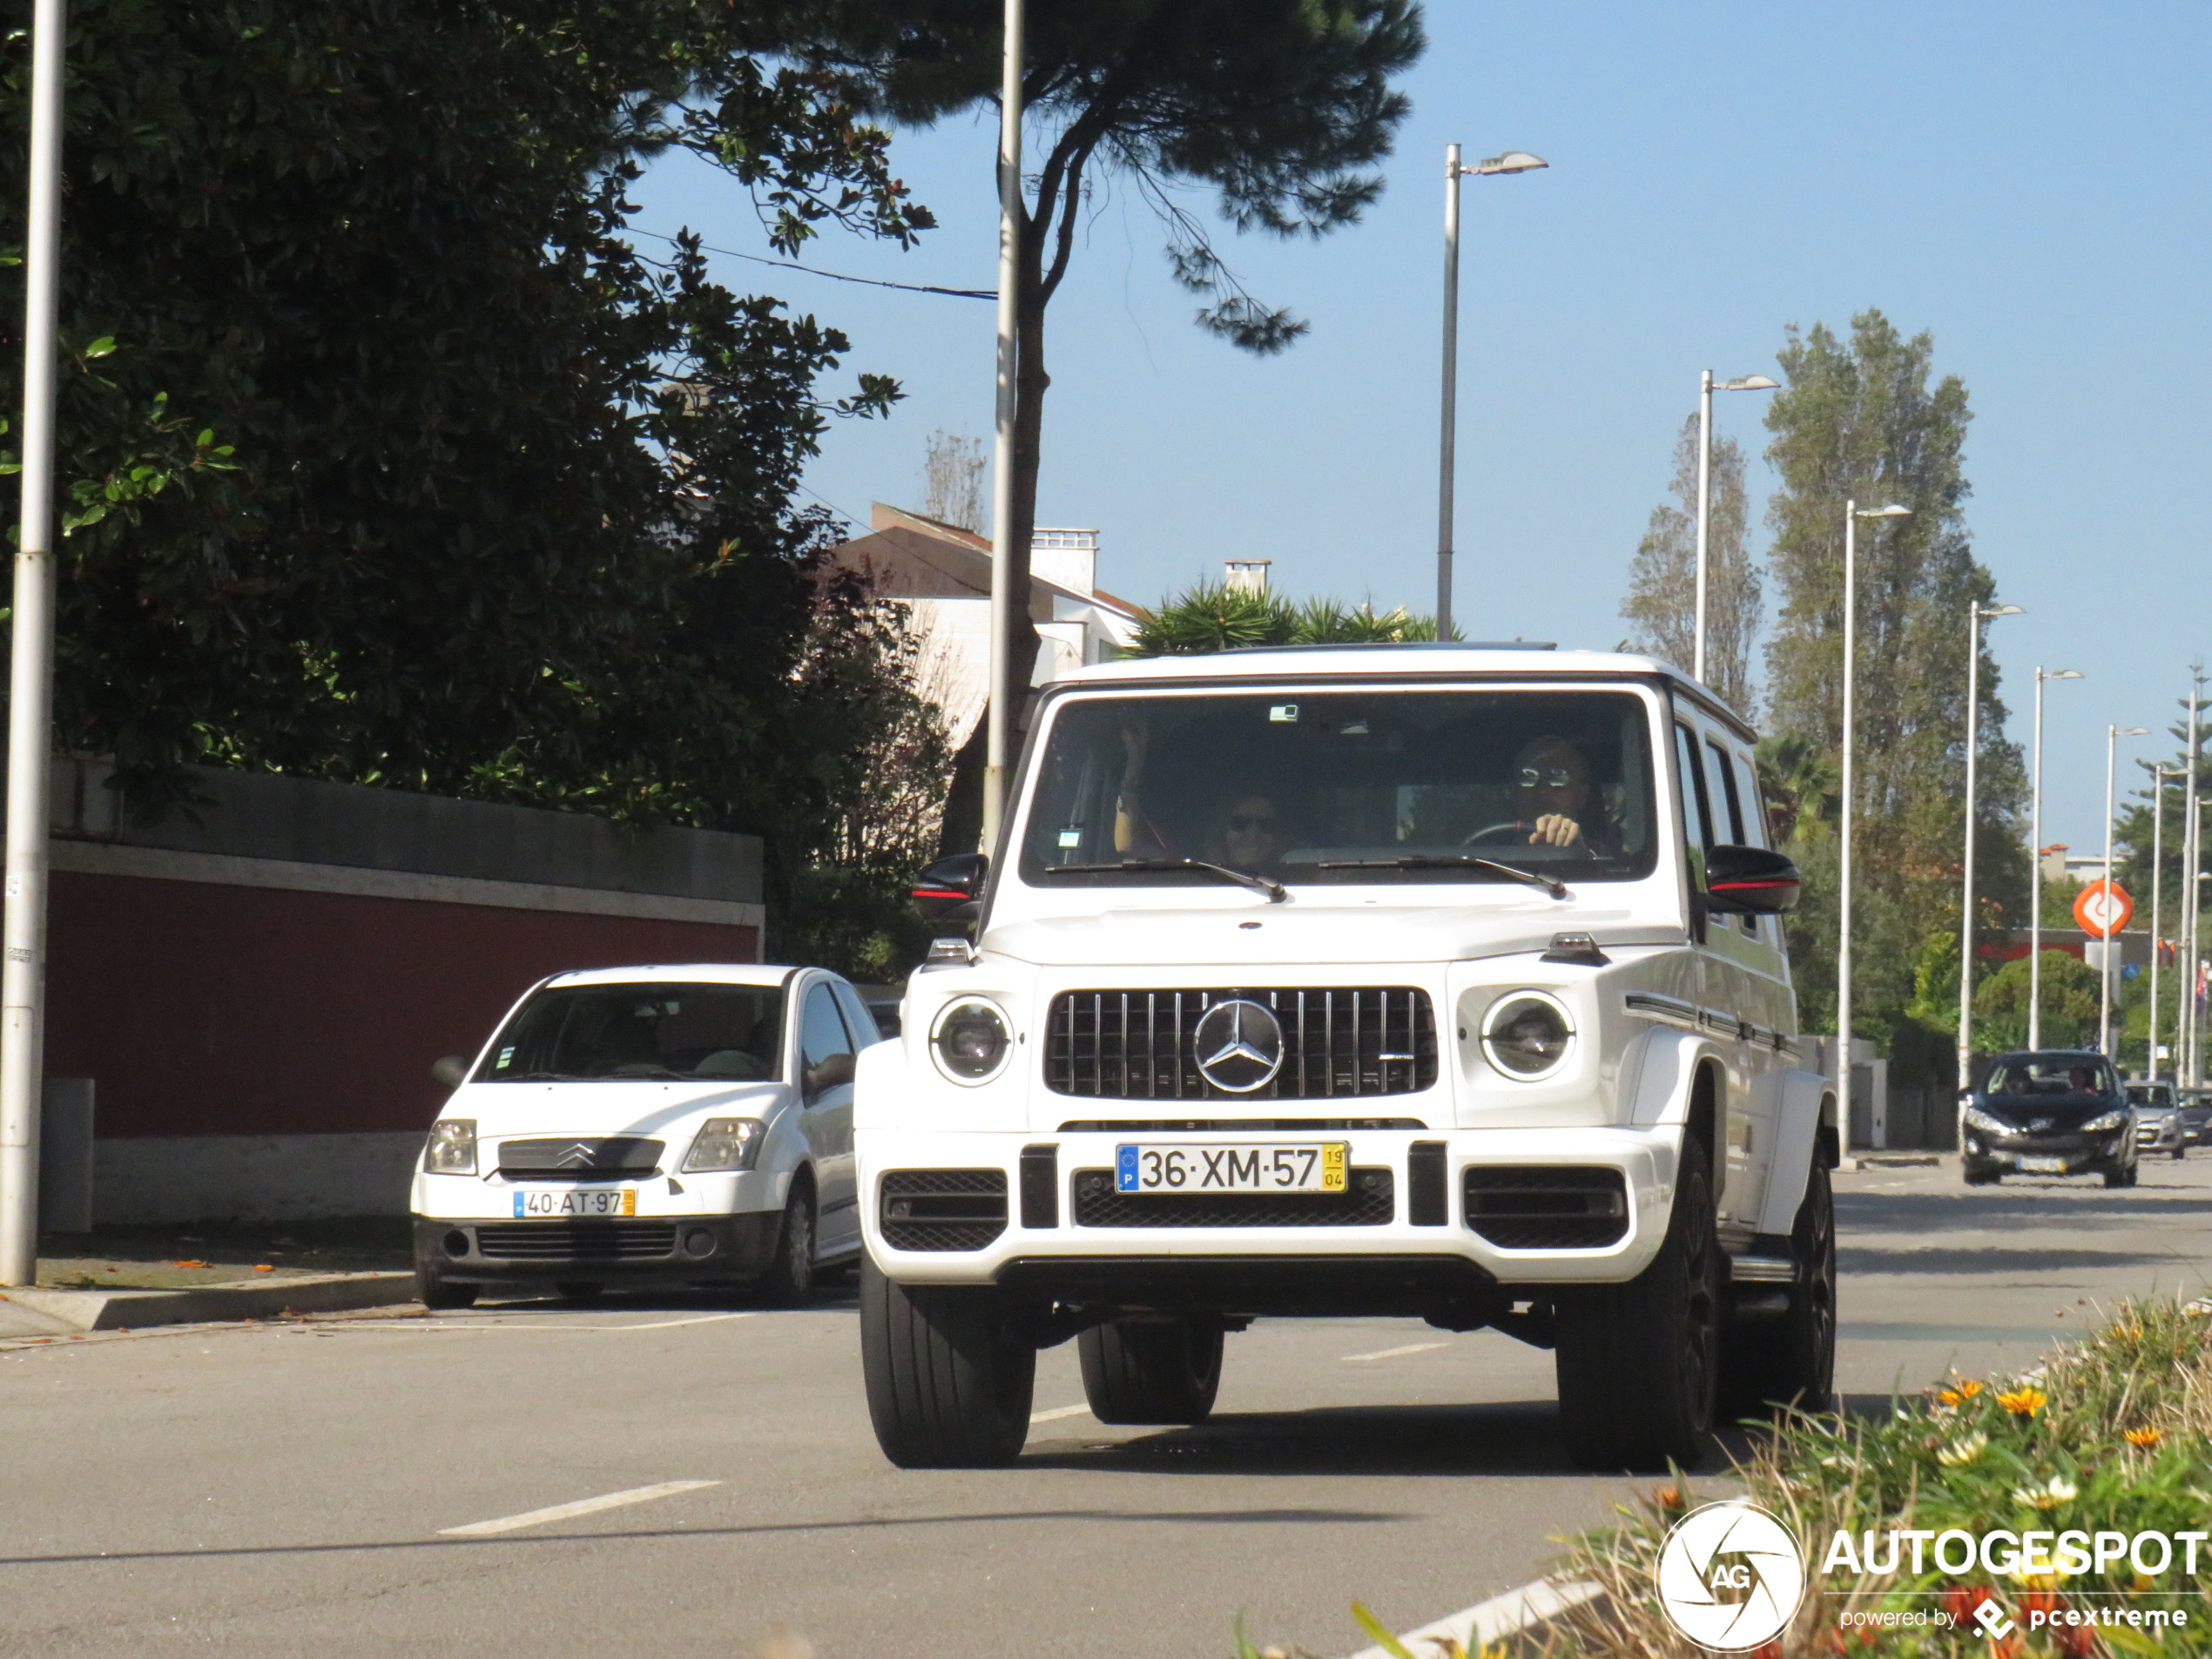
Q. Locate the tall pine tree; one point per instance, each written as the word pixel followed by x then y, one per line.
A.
pixel 1661 600
pixel 1858 421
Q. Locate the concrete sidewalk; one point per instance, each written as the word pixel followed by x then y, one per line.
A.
pixel 67 1311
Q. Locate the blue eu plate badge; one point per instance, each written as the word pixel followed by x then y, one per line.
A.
pixel 1125 1169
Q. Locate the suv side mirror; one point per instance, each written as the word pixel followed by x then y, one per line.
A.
pixel 952 889
pixel 1750 881
pixel 450 1072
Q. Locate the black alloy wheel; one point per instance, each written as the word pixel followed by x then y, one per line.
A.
pixel 1639 1364
pixel 1791 1361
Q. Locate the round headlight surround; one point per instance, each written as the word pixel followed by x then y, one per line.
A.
pixel 1538 1053
pixel 962 1044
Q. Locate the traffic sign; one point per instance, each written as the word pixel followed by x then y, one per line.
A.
pixel 2103 908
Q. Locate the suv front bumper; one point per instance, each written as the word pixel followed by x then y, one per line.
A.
pixel 1038 1212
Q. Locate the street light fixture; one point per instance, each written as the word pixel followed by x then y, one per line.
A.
pixel 1511 161
pixel 2112 734
pixel 1977 613
pixel 1706 387
pixel 2035 867
pixel 1852 514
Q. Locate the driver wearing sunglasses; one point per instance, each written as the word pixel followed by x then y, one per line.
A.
pixel 1250 836
pixel 1551 784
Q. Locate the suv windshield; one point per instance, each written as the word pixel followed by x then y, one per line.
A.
pixel 2151 1097
pixel 1296 786
pixel 2051 1075
pixel 593 1033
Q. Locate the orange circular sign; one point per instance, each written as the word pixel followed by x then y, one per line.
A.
pixel 2103 908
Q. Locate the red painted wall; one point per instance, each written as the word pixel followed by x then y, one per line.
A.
pixel 202 1009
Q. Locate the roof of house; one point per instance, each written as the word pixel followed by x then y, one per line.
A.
pixel 910 556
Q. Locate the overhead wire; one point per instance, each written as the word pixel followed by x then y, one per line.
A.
pixel 834 276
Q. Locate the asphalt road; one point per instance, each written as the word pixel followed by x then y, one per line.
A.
pixel 288 1489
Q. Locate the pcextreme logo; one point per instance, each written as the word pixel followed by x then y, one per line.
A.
pixel 1731 1575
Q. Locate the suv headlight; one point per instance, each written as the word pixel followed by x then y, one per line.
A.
pixel 726 1144
pixel 1977 1118
pixel 451 1149
pixel 2110 1120
pixel 971 1041
pixel 1527 1035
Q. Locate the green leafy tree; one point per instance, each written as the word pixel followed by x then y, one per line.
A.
pixel 2070 1005
pixel 1215 616
pixel 1663 578
pixel 1858 420
pixel 404 466
pixel 1280 109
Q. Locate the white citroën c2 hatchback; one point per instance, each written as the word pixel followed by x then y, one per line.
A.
pixel 669 1125
pixel 1434 981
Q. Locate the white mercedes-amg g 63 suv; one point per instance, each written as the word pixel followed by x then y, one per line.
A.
pixel 1438 981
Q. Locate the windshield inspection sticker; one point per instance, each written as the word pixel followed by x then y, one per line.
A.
pixel 1071 838
pixel 1284 712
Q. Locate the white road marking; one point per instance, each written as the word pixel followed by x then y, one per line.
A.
pixel 1526 1612
pixel 1393 1353
pixel 494 1324
pixel 1059 1411
pixel 571 1511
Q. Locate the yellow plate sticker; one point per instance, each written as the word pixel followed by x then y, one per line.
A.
pixel 1333 1166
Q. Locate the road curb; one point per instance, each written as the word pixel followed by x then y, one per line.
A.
pixel 1898 1161
pixel 253 1299
pixel 1518 1621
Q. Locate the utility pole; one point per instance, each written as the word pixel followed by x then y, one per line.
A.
pixel 2192 899
pixel 999 714
pixel 1976 614
pixel 30 674
pixel 2158 893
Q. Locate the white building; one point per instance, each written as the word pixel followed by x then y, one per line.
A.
pixel 942 574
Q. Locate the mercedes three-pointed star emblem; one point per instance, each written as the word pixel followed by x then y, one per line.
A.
pixel 1239 1045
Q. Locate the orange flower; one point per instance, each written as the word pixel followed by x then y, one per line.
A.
pixel 1949 1396
pixel 1969 1388
pixel 1666 1498
pixel 2023 1401
pixel 2143 1437
pixel 2036 1601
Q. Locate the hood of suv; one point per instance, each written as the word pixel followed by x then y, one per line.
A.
pixel 643 1108
pixel 1495 924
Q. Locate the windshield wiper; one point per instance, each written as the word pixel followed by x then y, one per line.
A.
pixel 1450 861
pixel 1276 891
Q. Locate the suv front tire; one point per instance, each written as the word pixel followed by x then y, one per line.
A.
pixel 1638 1364
pixel 949 1381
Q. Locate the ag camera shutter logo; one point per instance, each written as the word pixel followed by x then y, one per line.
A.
pixel 1730 1577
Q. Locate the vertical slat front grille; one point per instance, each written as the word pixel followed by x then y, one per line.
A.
pixel 1337 1043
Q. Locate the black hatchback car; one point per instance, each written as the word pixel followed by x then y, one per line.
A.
pixel 2053 1112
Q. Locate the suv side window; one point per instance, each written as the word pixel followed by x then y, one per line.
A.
pixel 822 1038
pixel 1732 819
pixel 1696 817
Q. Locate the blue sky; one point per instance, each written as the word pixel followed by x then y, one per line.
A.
pixel 2026 182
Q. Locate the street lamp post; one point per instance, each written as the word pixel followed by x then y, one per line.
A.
pixel 1706 387
pixel 2112 734
pixel 1852 514
pixel 1511 161
pixel 1977 613
pixel 2035 866
pixel 2157 894
pixel 2186 1070
pixel 30 673
pixel 999 712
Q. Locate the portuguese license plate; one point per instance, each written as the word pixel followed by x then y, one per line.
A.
pixel 568 1201
pixel 2044 1166
pixel 1314 1167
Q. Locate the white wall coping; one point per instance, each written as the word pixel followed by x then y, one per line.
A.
pixel 161 864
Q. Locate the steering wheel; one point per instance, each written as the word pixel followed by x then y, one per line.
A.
pixel 1511 827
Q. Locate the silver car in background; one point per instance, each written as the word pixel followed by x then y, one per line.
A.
pixel 2160 1125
